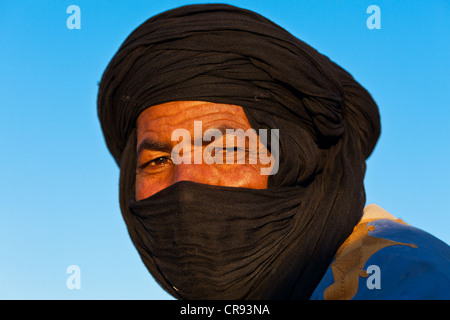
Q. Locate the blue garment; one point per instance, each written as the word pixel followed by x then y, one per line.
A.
pixel 413 265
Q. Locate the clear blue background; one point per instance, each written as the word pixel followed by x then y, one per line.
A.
pixel 59 185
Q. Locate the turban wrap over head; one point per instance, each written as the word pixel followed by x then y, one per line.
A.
pixel 329 124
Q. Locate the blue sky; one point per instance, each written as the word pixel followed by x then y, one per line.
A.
pixel 59 185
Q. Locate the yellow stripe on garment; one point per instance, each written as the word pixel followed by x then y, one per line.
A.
pixel 354 253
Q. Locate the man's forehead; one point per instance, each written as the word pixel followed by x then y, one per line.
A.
pixel 167 116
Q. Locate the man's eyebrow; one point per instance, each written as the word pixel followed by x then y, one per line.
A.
pixel 154 145
pixel 222 128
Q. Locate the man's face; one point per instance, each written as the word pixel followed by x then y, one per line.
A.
pixel 157 140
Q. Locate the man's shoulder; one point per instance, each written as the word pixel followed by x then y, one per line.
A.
pixel 385 258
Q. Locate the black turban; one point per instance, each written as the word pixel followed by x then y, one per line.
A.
pixel 329 124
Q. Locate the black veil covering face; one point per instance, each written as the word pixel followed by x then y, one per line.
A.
pixel 209 242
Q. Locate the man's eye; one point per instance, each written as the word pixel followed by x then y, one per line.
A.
pixel 234 154
pixel 160 161
pixel 236 150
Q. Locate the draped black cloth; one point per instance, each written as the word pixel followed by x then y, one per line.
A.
pixel 329 124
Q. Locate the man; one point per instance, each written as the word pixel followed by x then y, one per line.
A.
pixel 277 217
